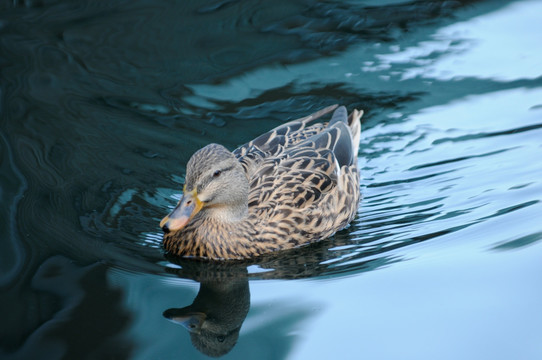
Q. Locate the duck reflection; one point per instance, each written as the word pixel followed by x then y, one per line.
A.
pixel 215 317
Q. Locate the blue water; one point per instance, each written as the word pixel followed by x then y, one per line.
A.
pixel 102 104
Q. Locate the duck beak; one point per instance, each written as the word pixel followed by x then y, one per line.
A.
pixel 191 321
pixel 188 206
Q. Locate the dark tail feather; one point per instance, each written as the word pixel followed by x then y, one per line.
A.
pixel 340 115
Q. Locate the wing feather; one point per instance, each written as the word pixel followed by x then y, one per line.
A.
pixel 296 164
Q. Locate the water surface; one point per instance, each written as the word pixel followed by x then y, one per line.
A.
pixel 102 105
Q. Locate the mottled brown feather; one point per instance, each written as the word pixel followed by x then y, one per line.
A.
pixel 298 190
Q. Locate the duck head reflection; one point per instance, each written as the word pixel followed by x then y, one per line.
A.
pixel 215 316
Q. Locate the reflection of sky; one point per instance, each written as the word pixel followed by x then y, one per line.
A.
pixel 432 308
pixel 477 172
pixel 504 45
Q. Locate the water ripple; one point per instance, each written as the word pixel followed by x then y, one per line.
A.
pixel 102 104
pixel 101 137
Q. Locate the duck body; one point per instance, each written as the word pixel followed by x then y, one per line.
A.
pixel 291 186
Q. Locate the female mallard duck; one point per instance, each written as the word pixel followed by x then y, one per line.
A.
pixel 293 185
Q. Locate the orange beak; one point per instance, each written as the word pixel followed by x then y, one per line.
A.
pixel 192 321
pixel 188 206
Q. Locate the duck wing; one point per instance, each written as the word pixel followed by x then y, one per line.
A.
pixel 273 142
pixel 306 171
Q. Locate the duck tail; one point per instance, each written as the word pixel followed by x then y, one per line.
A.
pixel 354 124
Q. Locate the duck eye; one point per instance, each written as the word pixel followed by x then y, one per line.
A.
pixel 217 173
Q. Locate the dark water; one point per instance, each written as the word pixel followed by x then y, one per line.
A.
pixel 102 104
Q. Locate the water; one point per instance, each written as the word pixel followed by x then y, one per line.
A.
pixel 103 104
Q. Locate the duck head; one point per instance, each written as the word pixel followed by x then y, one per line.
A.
pixel 216 187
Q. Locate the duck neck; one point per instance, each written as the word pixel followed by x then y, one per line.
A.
pixel 227 214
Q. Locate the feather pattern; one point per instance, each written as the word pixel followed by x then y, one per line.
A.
pixel 293 185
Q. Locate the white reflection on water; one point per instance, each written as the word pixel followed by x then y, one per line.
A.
pixel 503 45
pixel 430 308
pixel 468 156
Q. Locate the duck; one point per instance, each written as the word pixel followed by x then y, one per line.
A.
pixel 291 186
